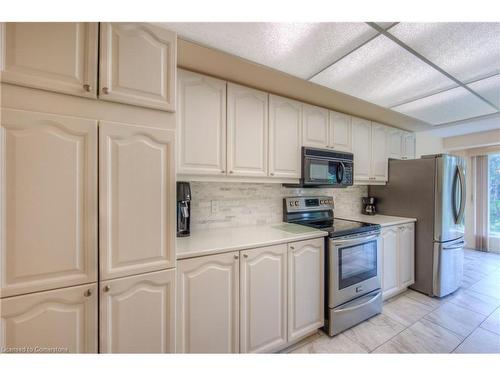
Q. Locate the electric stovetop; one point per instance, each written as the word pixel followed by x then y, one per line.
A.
pixel 341 227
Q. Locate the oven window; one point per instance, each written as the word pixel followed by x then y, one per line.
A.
pixel 357 263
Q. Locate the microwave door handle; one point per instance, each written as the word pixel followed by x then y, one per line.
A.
pixel 340 176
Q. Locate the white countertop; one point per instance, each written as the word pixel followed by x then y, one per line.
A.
pixel 221 240
pixel 383 220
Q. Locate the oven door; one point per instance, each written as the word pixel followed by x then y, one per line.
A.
pixel 354 268
pixel 323 171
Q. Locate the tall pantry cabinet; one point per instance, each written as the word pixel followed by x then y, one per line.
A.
pixel 87 225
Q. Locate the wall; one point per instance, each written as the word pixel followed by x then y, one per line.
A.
pixel 229 204
pixel 480 139
pixel 427 143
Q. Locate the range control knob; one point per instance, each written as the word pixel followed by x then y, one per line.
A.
pixel 296 203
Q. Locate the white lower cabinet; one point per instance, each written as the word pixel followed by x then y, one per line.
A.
pixel 137 314
pixel 398 258
pixel 57 321
pixel 263 299
pixel 208 304
pixel 258 300
pixel 306 265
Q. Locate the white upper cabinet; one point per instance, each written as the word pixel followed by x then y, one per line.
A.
pixel 136 200
pixel 379 153
pixel 306 264
pixel 137 314
pixel 247 131
pixel 409 146
pixel 263 284
pixel 395 143
pixel 201 124
pixel 340 131
pixel 49 194
pixel 362 148
pixel 63 318
pixel 314 126
pixel 208 301
pixel 137 65
pixel 285 135
pixel 53 56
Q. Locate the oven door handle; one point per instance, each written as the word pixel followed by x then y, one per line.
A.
pixel 359 305
pixel 354 240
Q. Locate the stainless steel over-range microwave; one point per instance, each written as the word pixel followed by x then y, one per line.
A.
pixel 326 168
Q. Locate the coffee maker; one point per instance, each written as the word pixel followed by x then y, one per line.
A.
pixel 183 209
pixel 369 206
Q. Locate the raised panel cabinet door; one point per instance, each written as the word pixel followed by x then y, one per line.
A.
pixel 247 131
pixel 137 65
pixel 56 321
pixel 407 255
pixel 390 261
pixel 48 190
pixel 314 126
pixel 136 200
pixel 285 135
pixel 362 148
pixel 137 314
pixel 379 153
pixel 263 285
pixel 340 131
pixel 54 56
pixel 409 146
pixel 201 124
pixel 208 300
pixel 306 280
pixel 395 144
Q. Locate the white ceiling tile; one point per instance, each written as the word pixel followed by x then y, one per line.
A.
pixel 466 50
pixel 300 49
pixel 385 25
pixel 452 105
pixel 383 73
pixel 488 88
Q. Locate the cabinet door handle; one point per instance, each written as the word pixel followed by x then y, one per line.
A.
pixel 292 247
pixel 107 288
pixel 222 171
pixel 245 255
pixel 105 90
pixel 236 257
pixel 231 172
pixel 87 87
pixel 87 293
pixel 272 174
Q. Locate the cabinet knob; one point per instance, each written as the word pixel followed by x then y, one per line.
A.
pixel 272 174
pixel 292 248
pixel 87 293
pixel 105 90
pixel 245 255
pixel 236 257
pixel 87 87
pixel 231 172
pixel 106 288
pixel 222 171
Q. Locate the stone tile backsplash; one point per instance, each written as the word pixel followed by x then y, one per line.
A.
pixel 231 204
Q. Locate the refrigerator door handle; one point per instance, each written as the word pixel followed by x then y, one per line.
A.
pixel 463 195
pixel 455 246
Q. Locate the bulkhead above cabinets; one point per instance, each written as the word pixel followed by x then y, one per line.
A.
pixel 64 58
pixel 232 132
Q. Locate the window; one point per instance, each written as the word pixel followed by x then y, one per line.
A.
pixel 494 193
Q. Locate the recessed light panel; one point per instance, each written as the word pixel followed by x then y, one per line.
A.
pixel 448 106
pixel 488 88
pixel 300 49
pixel 466 50
pixel 383 73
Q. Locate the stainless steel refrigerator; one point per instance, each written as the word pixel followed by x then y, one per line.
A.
pixel 432 190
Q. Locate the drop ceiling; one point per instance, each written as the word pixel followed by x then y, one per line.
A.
pixel 439 73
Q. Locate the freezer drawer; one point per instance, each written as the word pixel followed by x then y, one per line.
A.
pixel 448 267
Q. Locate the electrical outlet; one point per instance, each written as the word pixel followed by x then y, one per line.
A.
pixel 215 206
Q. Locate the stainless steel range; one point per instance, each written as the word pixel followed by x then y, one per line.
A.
pixel 352 263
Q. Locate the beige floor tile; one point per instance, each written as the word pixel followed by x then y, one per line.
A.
pixel 325 344
pixel 490 287
pixel 433 303
pixel 406 311
pixel 422 337
pixel 474 301
pixel 492 323
pixel 480 341
pixel 374 332
pixel 457 319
